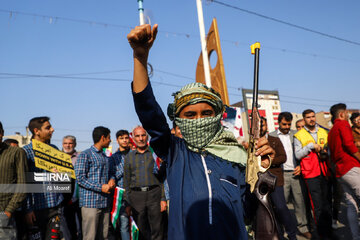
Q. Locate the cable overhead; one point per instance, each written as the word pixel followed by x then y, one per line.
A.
pixel 310 104
pixel 174 74
pixel 104 24
pixel 67 19
pixel 82 78
pixel 236 43
pixel 66 77
pixel 73 74
pixel 287 23
pixel 60 76
pixel 318 100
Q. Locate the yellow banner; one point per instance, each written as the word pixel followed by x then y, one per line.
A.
pixel 51 159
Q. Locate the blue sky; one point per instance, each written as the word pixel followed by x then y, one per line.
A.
pixel 93 62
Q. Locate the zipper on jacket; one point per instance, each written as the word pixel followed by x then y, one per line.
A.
pixel 209 188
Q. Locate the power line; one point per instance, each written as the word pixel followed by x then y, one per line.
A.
pixel 319 100
pixel 60 76
pixel 291 102
pixel 287 23
pixel 307 99
pixel 302 103
pixel 66 77
pixel 103 24
pixel 83 78
pixel 284 50
pixel 236 43
pixel 73 74
pixel 65 19
pixel 315 55
pixel 175 74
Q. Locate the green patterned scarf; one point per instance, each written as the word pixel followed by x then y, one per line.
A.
pixel 198 133
pixel 206 134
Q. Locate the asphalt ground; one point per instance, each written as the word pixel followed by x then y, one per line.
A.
pixel 343 230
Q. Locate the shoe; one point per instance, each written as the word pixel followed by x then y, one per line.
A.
pixel 335 224
pixel 306 235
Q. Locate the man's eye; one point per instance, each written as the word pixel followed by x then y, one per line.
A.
pixel 207 113
pixel 189 114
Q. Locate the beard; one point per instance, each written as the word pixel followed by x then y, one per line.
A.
pixel 285 130
pixel 141 144
pixel 69 151
pixel 312 123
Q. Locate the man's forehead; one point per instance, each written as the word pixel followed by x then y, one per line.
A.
pixel 201 105
pixel 45 124
pixel 123 136
pixel 68 140
pixel 139 131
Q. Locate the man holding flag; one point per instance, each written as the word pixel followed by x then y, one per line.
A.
pixel 117 163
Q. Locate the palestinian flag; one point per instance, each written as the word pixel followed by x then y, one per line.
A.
pixel 115 213
pixel 134 230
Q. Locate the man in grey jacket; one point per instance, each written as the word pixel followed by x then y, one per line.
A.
pixel 291 168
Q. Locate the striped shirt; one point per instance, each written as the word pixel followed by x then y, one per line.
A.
pixel 138 171
pixel 92 171
pixel 12 171
pixel 37 201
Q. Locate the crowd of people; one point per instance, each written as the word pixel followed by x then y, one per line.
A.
pixel 190 184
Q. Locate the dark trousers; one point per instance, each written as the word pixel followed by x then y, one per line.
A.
pixel 48 221
pixel 282 212
pixel 319 190
pixel 21 228
pixel 72 215
pixel 146 212
pixel 336 195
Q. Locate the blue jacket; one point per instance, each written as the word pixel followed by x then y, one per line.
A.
pixel 195 212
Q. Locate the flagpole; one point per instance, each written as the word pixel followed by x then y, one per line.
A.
pixel 203 43
pixel 141 12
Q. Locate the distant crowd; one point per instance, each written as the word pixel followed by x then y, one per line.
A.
pixel 305 177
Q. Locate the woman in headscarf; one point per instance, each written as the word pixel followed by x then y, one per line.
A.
pixel 205 169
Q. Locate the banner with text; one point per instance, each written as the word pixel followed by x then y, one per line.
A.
pixel 51 159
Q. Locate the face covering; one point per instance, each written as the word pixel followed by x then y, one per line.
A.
pixel 198 133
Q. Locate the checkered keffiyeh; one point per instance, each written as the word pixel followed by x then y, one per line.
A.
pixel 197 92
pixel 206 134
pixel 199 132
